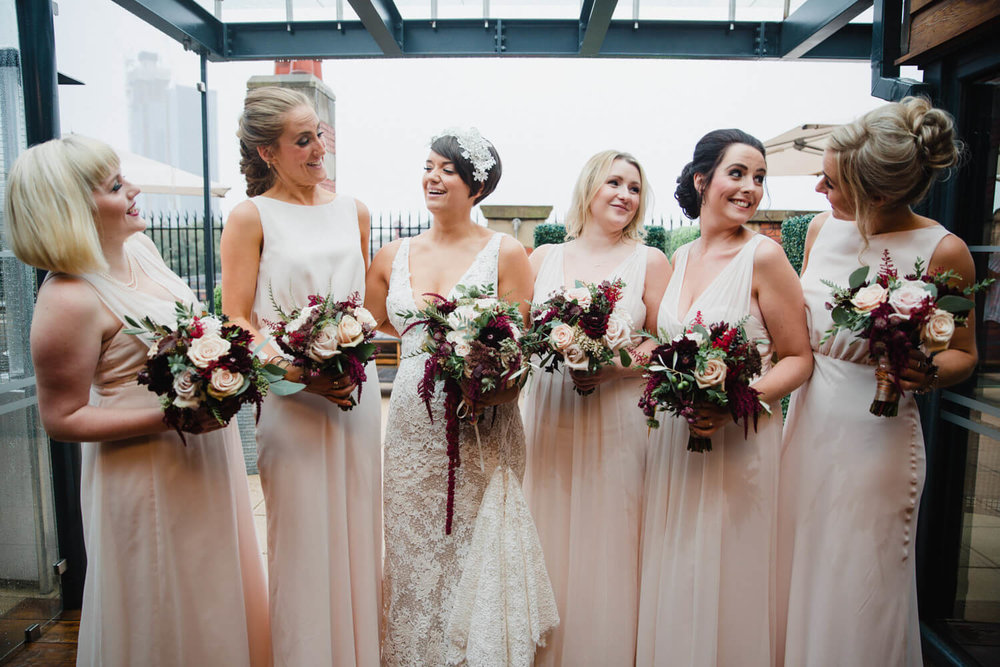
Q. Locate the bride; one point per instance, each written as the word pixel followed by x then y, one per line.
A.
pixel 423 571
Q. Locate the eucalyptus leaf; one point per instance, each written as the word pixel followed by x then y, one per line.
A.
pixel 858 277
pixel 625 357
pixel 954 304
pixel 840 316
pixel 286 388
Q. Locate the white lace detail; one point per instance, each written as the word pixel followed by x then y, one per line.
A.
pixel 504 605
pixel 423 565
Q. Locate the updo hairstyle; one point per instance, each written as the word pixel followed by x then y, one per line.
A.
pixel 708 153
pixel 447 146
pixel 261 124
pixel 50 213
pixel 892 155
pixel 591 178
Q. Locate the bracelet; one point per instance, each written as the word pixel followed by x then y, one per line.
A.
pixel 279 360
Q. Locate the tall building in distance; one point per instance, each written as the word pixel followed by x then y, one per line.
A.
pixel 165 125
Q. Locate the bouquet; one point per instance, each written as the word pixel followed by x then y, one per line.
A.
pixel 897 316
pixel 473 343
pixel 713 364
pixel 204 363
pixel 328 336
pixel 580 328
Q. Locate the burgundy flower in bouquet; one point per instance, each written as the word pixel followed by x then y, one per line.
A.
pixel 898 316
pixel 580 328
pixel 204 363
pixel 328 336
pixel 473 343
pixel 713 364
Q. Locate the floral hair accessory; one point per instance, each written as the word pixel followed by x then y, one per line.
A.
pixel 475 149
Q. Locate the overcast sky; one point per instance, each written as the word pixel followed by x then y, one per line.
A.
pixel 545 116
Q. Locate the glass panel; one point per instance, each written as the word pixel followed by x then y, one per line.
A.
pixel 978 595
pixel 239 11
pixel 29 590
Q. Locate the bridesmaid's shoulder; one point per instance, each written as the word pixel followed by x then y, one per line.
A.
pixel 244 215
pixel 656 260
pixel 511 248
pixel 386 254
pixel 952 253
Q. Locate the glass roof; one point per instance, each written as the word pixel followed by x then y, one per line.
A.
pixel 238 11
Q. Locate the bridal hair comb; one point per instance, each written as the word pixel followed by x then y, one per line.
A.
pixel 475 149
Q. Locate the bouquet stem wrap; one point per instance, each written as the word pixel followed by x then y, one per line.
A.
pixel 886 402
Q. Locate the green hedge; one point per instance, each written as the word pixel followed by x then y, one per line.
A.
pixel 679 236
pixel 549 233
pixel 656 237
pixel 218 298
pixel 793 238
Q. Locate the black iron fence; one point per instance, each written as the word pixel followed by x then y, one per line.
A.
pixel 180 236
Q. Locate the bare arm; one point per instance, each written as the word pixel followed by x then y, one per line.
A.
pixel 65 366
pixel 365 227
pixel 240 249
pixel 959 361
pixel 377 286
pixel 515 278
pixel 814 226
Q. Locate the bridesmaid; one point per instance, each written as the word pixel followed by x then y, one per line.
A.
pixel 851 481
pixel 174 574
pixel 320 467
pixel 586 454
pixel 709 526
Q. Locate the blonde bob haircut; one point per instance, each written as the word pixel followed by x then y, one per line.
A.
pixel 891 156
pixel 591 178
pixel 51 217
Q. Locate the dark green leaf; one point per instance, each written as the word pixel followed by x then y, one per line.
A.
pixel 858 277
pixel 954 304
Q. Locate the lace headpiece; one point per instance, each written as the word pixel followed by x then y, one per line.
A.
pixel 474 148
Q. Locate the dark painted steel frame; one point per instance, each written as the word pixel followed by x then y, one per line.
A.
pixel 814 22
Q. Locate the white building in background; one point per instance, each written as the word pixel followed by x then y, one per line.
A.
pixel 165 124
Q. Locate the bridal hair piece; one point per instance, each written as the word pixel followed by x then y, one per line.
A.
pixel 474 148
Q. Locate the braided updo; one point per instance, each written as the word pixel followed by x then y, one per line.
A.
pixel 708 153
pixel 261 124
pixel 891 156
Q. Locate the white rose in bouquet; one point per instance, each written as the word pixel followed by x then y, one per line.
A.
pixel 325 345
pixel 938 330
pixel 576 359
pixel 561 336
pixel 187 388
pixel 224 383
pixel 349 332
pixel 581 295
pixel 364 316
pixel 907 297
pixel 869 298
pixel 619 332
pixel 712 375
pixel 206 349
pixel 210 325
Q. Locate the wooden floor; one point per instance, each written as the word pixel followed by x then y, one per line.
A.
pixel 55 648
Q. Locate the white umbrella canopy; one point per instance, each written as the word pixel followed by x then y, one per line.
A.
pixel 799 151
pixel 158 178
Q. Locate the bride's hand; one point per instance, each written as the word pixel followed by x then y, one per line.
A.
pixel 495 397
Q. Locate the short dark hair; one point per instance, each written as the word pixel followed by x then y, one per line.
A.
pixel 708 154
pixel 447 146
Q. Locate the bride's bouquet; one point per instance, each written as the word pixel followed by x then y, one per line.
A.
pixel 898 316
pixel 204 362
pixel 713 364
pixel 328 337
pixel 581 328
pixel 474 349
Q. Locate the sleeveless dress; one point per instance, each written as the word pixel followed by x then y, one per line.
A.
pixel 850 482
pixel 584 479
pixel 709 524
pixel 425 569
pixel 174 573
pixel 319 465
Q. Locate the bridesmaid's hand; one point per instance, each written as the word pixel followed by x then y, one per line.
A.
pixel 920 373
pixel 202 421
pixel 708 418
pixel 586 382
pixel 335 388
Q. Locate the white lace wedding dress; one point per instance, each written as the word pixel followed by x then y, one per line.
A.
pixel 481 595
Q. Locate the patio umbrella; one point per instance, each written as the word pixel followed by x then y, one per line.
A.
pixel 799 151
pixel 155 177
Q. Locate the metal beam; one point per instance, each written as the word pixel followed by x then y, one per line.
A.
pixel 852 42
pixel 815 22
pixel 597 22
pixel 886 32
pixel 383 22
pixel 184 20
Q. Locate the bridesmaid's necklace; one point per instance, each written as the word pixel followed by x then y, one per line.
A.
pixel 132 279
